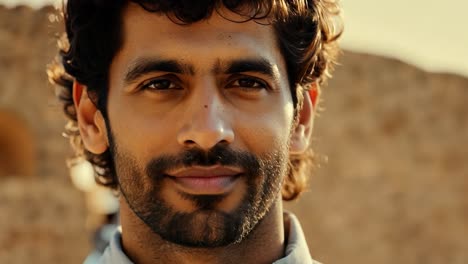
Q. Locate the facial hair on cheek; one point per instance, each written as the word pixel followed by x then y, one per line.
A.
pixel 206 226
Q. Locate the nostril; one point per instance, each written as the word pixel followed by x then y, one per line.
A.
pixel 189 142
pixel 224 141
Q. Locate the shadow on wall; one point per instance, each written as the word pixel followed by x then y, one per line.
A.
pixel 17 147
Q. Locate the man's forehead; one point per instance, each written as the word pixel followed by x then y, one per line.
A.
pixel 219 17
pixel 186 12
pixel 154 35
pixel 153 43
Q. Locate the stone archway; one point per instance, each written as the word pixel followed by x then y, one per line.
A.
pixel 17 146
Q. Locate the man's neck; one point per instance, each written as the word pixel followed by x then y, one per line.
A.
pixel 265 244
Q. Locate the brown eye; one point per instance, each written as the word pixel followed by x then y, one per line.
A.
pixel 159 84
pixel 247 82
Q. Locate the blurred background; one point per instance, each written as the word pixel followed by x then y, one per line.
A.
pixel 392 136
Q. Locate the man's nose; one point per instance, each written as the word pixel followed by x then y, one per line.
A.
pixel 207 124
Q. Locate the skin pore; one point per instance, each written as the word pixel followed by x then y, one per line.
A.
pixel 187 103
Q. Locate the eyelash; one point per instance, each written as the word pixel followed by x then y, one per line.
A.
pixel 258 83
pixel 172 84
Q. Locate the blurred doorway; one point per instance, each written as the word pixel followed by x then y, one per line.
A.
pixel 17 146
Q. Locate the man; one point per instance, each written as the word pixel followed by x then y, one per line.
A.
pixel 199 114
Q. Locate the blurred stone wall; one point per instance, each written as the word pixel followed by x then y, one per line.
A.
pixel 27 41
pixel 42 218
pixel 392 143
pixel 395 187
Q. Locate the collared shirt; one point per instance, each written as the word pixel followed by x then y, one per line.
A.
pixel 296 252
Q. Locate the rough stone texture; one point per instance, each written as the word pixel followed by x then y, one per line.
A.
pixel 42 221
pixel 394 189
pixel 26 47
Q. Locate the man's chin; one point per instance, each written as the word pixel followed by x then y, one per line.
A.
pixel 202 229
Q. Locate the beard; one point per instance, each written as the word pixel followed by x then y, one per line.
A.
pixel 207 225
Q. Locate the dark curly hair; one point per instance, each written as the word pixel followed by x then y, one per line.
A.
pixel 306 32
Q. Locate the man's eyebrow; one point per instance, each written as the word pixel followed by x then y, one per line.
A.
pixel 144 66
pixel 260 65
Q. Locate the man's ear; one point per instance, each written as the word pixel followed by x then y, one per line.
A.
pixel 91 123
pixel 302 133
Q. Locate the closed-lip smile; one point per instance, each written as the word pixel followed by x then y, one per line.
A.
pixel 199 180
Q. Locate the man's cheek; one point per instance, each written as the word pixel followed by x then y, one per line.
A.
pixel 268 134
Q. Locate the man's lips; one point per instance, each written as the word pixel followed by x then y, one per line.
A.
pixel 205 180
pixel 200 171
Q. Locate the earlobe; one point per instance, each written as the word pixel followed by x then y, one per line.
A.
pixel 302 133
pixel 91 123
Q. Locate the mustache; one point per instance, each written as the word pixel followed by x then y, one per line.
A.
pixel 218 155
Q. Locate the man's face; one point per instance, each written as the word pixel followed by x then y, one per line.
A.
pixel 200 119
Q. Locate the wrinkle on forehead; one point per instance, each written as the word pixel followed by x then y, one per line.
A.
pixel 205 34
pixel 136 13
